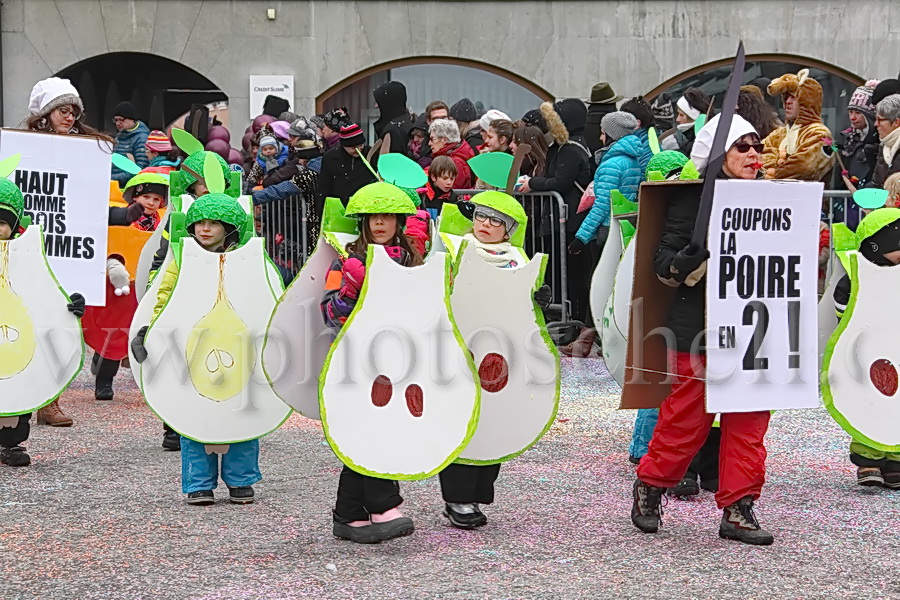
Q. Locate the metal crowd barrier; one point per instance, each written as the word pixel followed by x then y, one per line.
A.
pixel 284 224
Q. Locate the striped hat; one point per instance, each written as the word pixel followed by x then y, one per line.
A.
pixel 352 135
pixel 158 141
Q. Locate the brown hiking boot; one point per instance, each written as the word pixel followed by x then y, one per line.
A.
pixel 53 416
pixel 583 344
pixel 739 523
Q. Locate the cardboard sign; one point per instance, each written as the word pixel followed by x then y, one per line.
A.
pixel 261 86
pixel 65 182
pixel 761 296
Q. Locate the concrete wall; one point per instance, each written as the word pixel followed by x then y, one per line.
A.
pixel 563 47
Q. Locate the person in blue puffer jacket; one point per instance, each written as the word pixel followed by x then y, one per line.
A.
pixel 619 169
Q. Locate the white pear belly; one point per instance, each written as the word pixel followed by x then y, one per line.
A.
pixel 398 397
pixel 517 366
pixel 862 360
pixel 613 325
pixel 203 374
pixel 41 345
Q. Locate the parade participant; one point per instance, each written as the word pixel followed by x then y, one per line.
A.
pixel 12 215
pixel 801 148
pixel 366 510
pixel 216 221
pixel 683 421
pixel 163 158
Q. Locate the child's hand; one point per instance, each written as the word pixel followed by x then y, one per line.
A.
pixel 354 272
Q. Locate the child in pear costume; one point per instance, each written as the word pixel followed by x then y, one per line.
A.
pixel 216 222
pixel 366 510
pixel 12 205
pixel 496 217
pixel 880 245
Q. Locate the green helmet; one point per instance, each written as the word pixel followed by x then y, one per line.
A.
pixel 378 198
pixel 502 203
pixel 218 207
pixel 144 178
pixel 665 162
pixel 12 204
pixel 195 162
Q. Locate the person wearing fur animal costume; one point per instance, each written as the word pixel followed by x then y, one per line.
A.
pixel 801 148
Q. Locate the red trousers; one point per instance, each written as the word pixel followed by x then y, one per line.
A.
pixel 683 426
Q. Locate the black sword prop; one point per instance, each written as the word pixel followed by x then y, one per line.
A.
pixel 717 152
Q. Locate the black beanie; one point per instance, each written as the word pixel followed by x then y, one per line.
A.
pixel 10 218
pixel 464 111
pixel 125 109
pixel 886 88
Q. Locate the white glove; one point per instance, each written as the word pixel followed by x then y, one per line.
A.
pixel 118 276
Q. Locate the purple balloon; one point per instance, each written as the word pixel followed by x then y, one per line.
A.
pixel 220 147
pixel 261 120
pixel 247 141
pixel 219 132
pixel 235 157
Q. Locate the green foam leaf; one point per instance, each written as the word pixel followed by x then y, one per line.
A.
pixel 453 222
pixel 622 205
pixel 843 239
pixel 9 164
pixel 870 198
pixel 628 231
pixel 653 140
pixel 699 122
pixel 492 168
pixel 401 170
pixel 333 218
pixel 655 176
pixel 215 179
pixel 125 163
pixel 186 141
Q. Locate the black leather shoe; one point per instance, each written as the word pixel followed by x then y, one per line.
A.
pixel 240 495
pixel 464 516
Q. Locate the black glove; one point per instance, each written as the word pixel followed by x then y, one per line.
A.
pixel 542 296
pixel 76 305
pixel 467 209
pixel 137 345
pixel 576 246
pixel 688 260
pixel 134 212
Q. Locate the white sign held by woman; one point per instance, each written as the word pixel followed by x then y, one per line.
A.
pixel 65 183
pixel 761 296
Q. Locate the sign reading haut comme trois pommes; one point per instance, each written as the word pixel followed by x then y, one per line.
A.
pixel 261 86
pixel 761 294
pixel 65 184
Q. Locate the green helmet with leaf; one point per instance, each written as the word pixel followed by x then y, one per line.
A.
pixel 380 197
pixel 502 203
pixel 195 164
pixel 216 205
pixel 12 204
pixel 664 163
pixel 874 222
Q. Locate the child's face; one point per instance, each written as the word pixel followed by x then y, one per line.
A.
pixel 210 234
pixel 150 202
pixel 489 230
pixel 383 227
pixel 892 257
pixel 444 182
pixel 5 231
pixel 198 189
pixel 268 150
pixel 151 154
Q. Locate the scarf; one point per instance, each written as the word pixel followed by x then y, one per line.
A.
pixel 890 145
pixel 853 139
pixel 498 255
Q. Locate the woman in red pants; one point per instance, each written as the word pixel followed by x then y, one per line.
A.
pixel 683 421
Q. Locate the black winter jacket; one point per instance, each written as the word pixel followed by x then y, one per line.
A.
pixel 567 165
pixel 395 119
pixel 883 170
pixel 341 175
pixel 595 114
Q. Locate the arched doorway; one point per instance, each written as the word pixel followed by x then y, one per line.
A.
pixel 712 78
pixel 160 89
pixel 435 78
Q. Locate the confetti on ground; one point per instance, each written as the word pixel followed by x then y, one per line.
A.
pixel 99 515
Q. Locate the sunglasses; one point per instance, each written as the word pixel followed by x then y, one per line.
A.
pixel 481 218
pixel 744 147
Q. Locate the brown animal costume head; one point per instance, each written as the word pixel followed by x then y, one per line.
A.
pixel 807 91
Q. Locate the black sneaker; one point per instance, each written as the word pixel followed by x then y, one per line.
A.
pixel 241 495
pixel 358 535
pixel 15 456
pixel 891 479
pixel 171 441
pixel 646 512
pixel 201 498
pixel 103 392
pixel 464 516
pixel 686 488
pixel 739 523
pixel 869 476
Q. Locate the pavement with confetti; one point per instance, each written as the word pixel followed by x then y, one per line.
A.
pixel 99 515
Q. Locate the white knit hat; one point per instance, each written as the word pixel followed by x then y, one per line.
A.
pixel 491 116
pixel 703 144
pixel 49 94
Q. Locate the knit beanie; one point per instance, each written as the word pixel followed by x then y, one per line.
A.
pixel 861 100
pixel 887 87
pixel 535 118
pixel 317 121
pixel 150 188
pixel 268 140
pixel 352 135
pixel 464 111
pixel 703 144
pixel 49 94
pixel 280 128
pixel 158 141
pixel 337 118
pixel 125 110
pixel 491 213
pixel 618 124
pixel 491 116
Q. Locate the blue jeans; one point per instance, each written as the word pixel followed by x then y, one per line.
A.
pixel 644 425
pixel 200 471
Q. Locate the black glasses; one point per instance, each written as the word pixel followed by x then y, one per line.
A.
pixel 67 111
pixel 482 217
pixel 744 147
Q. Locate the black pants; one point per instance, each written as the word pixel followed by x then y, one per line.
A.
pixel 462 484
pixel 705 465
pixel 13 436
pixel 359 495
pixel 106 371
pixel 579 270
